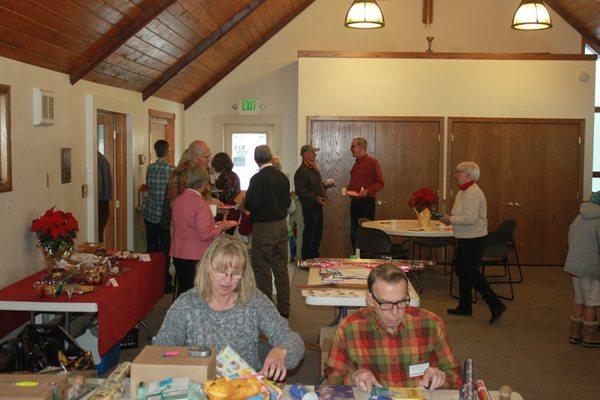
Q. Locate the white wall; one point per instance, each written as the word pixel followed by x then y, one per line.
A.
pixel 449 88
pixel 36 151
pixel 271 73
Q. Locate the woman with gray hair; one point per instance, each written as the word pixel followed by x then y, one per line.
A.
pixel 225 308
pixel 194 227
pixel 469 220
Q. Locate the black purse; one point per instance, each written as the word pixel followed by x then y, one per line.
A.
pixel 41 346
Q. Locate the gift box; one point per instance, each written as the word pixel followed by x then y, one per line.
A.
pixel 156 363
pixel 33 387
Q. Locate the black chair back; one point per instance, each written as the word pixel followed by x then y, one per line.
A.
pixel 496 245
pixel 373 243
pixel 508 226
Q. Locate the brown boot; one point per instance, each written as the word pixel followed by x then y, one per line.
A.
pixel 576 333
pixel 591 334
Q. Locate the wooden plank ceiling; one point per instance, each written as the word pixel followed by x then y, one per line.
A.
pixel 172 49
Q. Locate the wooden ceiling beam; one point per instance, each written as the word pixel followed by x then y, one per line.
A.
pixel 201 48
pixel 268 35
pixel 94 56
pixel 590 38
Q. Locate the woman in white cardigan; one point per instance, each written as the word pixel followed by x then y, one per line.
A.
pixel 469 220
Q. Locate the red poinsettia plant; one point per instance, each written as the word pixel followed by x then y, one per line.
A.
pixel 55 230
pixel 422 199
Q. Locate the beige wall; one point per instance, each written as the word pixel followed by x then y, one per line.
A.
pixel 271 73
pixel 449 88
pixel 36 151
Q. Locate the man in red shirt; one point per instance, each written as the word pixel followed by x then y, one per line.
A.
pixel 389 343
pixel 365 181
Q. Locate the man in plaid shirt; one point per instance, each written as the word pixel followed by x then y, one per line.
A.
pixel 391 344
pixel 158 239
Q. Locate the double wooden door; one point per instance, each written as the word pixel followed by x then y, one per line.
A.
pixel 112 143
pixel 531 171
pixel 409 151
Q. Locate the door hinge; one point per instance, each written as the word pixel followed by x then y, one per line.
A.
pixel 452 138
pixel 117 204
pixel 579 140
pixel 439 138
pixel 114 134
pixel 451 191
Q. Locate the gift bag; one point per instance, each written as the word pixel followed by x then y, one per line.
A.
pixel 44 346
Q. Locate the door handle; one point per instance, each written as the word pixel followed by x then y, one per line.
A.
pixel 510 204
pixel 380 202
pixel 520 205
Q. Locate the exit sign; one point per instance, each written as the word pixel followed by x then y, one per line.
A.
pixel 248 104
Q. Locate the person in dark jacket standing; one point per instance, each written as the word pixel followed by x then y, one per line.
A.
pixel 104 194
pixel 311 192
pixel 267 200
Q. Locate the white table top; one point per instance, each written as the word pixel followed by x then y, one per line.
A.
pixel 410 228
pixel 345 297
pixel 49 307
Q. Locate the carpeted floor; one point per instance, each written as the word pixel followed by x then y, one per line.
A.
pixel 528 349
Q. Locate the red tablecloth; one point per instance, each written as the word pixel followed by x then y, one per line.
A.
pixel 119 308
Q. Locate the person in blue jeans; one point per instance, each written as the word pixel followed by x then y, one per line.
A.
pixel 158 239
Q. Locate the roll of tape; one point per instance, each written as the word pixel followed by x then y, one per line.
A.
pixel 198 352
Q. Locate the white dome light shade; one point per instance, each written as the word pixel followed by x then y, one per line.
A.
pixel 364 14
pixel 532 15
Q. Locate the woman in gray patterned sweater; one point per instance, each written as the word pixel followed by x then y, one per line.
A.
pixel 225 308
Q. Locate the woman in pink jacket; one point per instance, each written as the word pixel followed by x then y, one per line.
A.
pixel 194 227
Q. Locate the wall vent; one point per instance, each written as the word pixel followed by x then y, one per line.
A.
pixel 43 107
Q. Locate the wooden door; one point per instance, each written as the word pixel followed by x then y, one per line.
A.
pixel 546 200
pixel 112 143
pixel 530 172
pixel 409 153
pixel 408 150
pixel 492 150
pixel 334 137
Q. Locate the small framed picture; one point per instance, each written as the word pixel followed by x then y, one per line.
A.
pixel 65 165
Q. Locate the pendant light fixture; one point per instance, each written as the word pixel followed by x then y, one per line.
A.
pixel 532 15
pixel 364 14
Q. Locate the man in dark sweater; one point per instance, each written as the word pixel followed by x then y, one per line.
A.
pixel 267 200
pixel 311 192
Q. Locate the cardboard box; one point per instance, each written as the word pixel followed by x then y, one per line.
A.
pixel 325 342
pixel 33 387
pixel 151 366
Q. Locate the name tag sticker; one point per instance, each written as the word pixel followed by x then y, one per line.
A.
pixel 417 370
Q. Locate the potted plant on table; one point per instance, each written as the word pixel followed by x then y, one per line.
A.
pixel 422 202
pixel 55 231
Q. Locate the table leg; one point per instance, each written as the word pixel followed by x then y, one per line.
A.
pixel 143 324
pixel 67 322
pixel 341 312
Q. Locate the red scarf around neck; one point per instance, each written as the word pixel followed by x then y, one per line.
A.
pixel 465 186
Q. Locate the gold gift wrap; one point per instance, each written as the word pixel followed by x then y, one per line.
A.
pixel 232 389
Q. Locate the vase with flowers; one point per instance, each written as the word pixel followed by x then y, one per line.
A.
pixel 55 231
pixel 422 202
